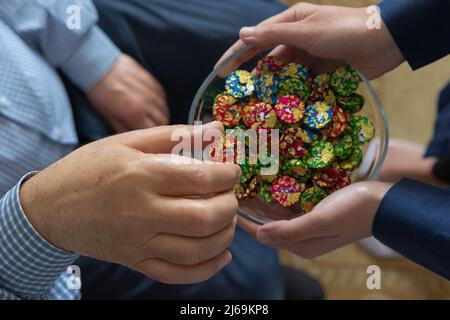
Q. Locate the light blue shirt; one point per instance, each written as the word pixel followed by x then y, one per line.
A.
pixel 37 127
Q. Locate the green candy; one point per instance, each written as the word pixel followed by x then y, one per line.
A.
pixel 265 191
pixel 294 86
pixel 362 129
pixel 345 81
pixel 343 147
pixel 311 197
pixel 353 161
pixel 321 155
pixel 297 169
pixel 352 104
pixel 248 171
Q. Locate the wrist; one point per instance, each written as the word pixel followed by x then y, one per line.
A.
pixel 373 194
pixel 37 209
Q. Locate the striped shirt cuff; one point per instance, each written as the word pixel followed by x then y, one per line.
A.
pixel 29 265
pixel 92 60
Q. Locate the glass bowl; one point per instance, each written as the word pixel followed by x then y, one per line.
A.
pixel 374 153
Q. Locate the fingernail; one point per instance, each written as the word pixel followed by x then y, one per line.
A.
pixel 247 31
pixel 264 237
pixel 226 259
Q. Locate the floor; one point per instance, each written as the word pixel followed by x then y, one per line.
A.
pixel 409 99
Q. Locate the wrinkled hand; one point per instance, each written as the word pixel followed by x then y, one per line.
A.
pixel 333 34
pixel 340 219
pixel 130 98
pixel 124 199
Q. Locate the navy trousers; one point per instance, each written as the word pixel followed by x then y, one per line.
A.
pixel 178 42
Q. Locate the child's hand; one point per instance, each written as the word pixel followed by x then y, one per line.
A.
pixel 130 98
pixel 343 217
pixel 321 36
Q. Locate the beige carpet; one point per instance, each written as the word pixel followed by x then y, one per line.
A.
pixel 409 99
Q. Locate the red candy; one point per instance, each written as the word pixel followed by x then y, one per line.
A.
pixel 338 123
pixel 328 177
pixel 227 110
pixel 294 143
pixel 259 115
pixel 269 64
pixel 290 109
pixel 344 181
pixel 286 191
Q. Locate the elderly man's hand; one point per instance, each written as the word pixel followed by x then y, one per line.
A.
pixel 342 218
pixel 306 32
pixel 125 199
pixel 130 98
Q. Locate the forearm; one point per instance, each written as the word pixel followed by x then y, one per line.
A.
pixel 419 28
pixel 83 52
pixel 414 219
pixel 30 267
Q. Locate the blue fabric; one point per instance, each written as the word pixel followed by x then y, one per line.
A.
pixel 414 219
pixel 421 28
pixel 179 42
pixel 439 146
pixel 37 126
pixel 29 264
pixel 254 273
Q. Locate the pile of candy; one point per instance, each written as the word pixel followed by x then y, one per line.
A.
pixel 320 134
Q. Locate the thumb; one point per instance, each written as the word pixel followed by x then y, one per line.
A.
pixel 303 228
pixel 268 35
pixel 163 139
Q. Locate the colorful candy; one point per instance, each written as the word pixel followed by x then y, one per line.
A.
pixel 321 155
pixel 240 84
pixel 294 86
pixel 259 115
pixel 227 110
pixel 269 64
pixel 345 81
pixel 318 115
pixel 362 129
pixel 267 88
pixel 286 191
pixel 353 160
pixel 294 143
pixel 295 70
pixel 343 146
pixel 247 190
pixel 290 109
pixel 351 104
pixel 265 191
pixel 297 169
pixel 328 177
pixel 320 137
pixel 338 123
pixel 311 197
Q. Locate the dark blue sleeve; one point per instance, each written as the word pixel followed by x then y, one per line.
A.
pixel 421 28
pixel 414 220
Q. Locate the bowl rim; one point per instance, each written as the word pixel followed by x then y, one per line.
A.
pixel 384 144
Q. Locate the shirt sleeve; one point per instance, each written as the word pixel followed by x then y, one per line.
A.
pixel 66 34
pixel 30 267
pixel 421 28
pixel 414 219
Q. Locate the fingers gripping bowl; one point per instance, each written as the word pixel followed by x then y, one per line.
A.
pixel 332 130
